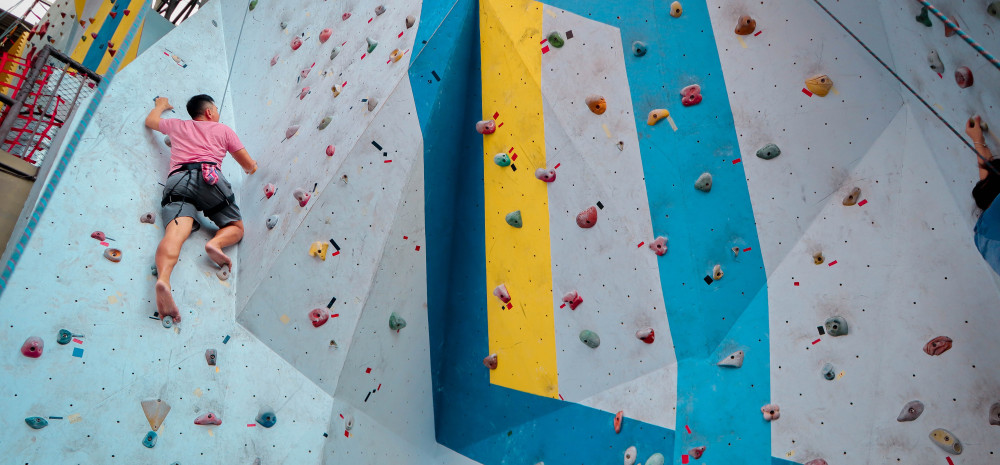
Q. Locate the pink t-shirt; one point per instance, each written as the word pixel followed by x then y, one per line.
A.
pixel 194 141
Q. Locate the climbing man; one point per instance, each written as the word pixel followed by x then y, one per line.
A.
pixel 195 183
pixel 987 229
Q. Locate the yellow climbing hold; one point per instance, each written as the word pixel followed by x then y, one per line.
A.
pixel 676 10
pixel 318 249
pixel 819 84
pixel 656 116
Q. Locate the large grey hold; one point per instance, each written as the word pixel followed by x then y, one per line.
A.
pixel 590 338
pixel 372 103
pixel 911 411
pixel 995 414
pixel 272 221
pixel 934 60
pixel 768 152
pixel 734 360
pixel 836 326
pixel 828 372
pixel 410 21
pixel 704 182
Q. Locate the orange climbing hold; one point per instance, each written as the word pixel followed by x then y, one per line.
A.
pixel 618 422
pixel 396 55
pixel 745 25
pixel 597 104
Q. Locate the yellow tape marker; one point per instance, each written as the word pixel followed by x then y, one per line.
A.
pixel 606 130
pixel 789 453
pixel 284 319
pixel 75 418
pixel 742 43
pixel 835 91
pixel 673 125
pixel 520 258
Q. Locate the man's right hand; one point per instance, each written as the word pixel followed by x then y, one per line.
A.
pixel 163 103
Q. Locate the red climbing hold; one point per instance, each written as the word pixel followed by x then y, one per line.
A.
pixel 587 218
pixel 302 196
pixel 32 347
pixel 646 335
pixel 318 316
pixel 486 127
pixel 330 150
pixel 345 16
pixel 691 95
pixel 208 419
pixel 98 235
pixel 696 452
pixel 501 293
pixel 546 174
pixel 303 93
pixel 618 421
pixel 126 12
pixel 112 52
pixel 296 43
pixel 490 361
pixel 93 34
pixel 659 246
pixel 963 77
pixel 324 35
pixel 573 299
pixel 269 190
pixel 113 15
pixel 938 345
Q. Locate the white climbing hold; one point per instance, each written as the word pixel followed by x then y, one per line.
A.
pixel 734 360
pixel 655 459
pixel 630 455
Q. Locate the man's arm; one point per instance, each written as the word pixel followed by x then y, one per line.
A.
pixel 153 119
pixel 975 131
pixel 243 158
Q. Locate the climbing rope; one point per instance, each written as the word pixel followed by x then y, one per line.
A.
pixel 239 39
pixel 915 94
pixel 948 23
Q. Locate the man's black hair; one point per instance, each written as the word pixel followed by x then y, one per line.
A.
pixel 197 105
pixel 987 189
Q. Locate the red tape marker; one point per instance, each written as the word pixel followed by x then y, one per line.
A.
pixel 684 458
pixel 641 244
pixel 557 166
pixel 796 283
pixel 832 263
pixel 949 461
pixel 806 91
pixel 513 157
pixel 862 203
pixel 758 33
pixel 543 41
pixel 77 341
pixel 251 425
pixel 335 315
pixel 400 34
pixel 497 115
pixel 500 126
pixel 387 161
pixel 562 306
pixel 561 397
pixel 511 149
pixel 737 160
pixel 942 77
pixel 335 253
pixel 418 248
pixel 747 249
pixel 405 238
pixel 545 49
pixel 687 428
pixel 368 370
pixel 370 19
pixel 814 342
pixel 347 434
pixel 363 55
pixel 509 305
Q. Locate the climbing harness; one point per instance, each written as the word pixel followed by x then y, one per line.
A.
pixel 189 168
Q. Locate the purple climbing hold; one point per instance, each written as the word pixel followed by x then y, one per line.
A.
pixel 210 356
pixel 345 16
pixel 274 60
pixel 32 347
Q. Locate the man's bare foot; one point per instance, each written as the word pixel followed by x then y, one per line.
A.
pixel 165 302
pixel 215 253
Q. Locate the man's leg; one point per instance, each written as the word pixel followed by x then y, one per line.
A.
pixel 177 231
pixel 225 237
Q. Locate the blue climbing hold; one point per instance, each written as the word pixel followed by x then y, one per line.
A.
pixel 502 160
pixel 64 337
pixel 36 422
pixel 150 439
pixel 639 48
pixel 267 418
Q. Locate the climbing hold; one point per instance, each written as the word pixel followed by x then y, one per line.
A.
pixel 816 462
pixel 836 326
pixel 396 55
pixel 556 39
pixel 736 251
pixel 318 249
pixel 36 422
pixel 274 61
pixel 659 245
pixel 946 441
pixel 379 10
pixel 655 459
pixel 656 116
pixel 924 17
pixel 114 255
pixel 302 196
pixel 372 43
pixel 573 299
pixel 911 411
pixel 283 25
pixel 950 31
pixel 150 439
pixel 155 411
pixel 208 419
pixel 590 338
pixel 630 455
pixel 210 356
pixel 223 273
pixel 696 452
pixel 852 198
pixel 819 84
pixel 291 131
pixel 98 235
pixel 676 10
pixel 745 25
pixel 344 16
pixel 501 159
pixel 396 322
pixel 269 190
pixel 828 372
pixel 587 218
pixel 324 123
pixel 938 345
pixel 734 360
pixel 167 322
pixel 639 48
pixel 318 316
pixel 768 152
pixel 771 412
pixel 597 104
pixel 995 414
pixel 994 9
pixel 333 54
pixel 253 4
pixel 704 182
pixel 348 422
pixel 64 337
pixel 296 43
pixel 546 174
pixel 372 103
pixel 266 418
pixel 646 335
pixel 336 90
pixel 818 258
pixel 148 218
pixel 32 347
pixel 490 361
pixel 963 77
pixel 324 35
pixel 486 127
pixel 618 422
pixel 501 292
pixel 934 60
pixel 271 221
pixel 303 92
pixel 514 219
pixel 330 150
pixel 717 272
pixel 410 21
pixel 691 95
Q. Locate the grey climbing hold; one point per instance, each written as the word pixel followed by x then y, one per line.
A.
pixel 995 414
pixel 911 411
pixel 655 459
pixel 590 338
pixel 266 418
pixel 64 337
pixel 336 51
pixel 852 198
pixel 630 455
pixel 734 360
pixel 514 219
pixel 372 103
pixel 639 48
pixel 410 21
pixel 994 9
pixel 148 218
pixel 836 326
pixel 166 140
pixel 348 421
pixel 283 25
pixel 501 159
pixel 372 43
pixel 150 439
pixel 210 356
pixel 324 123
pixel 828 372
pixel 717 272
pixel 271 222
pixel 396 322
pixel 934 60
pixel 36 422
pixel 946 441
pixel 156 411
pixel 379 10
pixel 768 152
pixel 223 273
pixel 704 182
pixel 153 268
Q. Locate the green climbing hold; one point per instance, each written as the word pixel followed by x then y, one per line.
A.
pixel 36 422
pixel 502 159
pixel 253 4
pixel 590 338
pixel 514 219
pixel 655 459
pixel 994 9
pixel 396 322
pixel 768 152
pixel 704 182
pixel 64 337
pixel 924 17
pixel 371 44
pixel 555 38
pixel 326 122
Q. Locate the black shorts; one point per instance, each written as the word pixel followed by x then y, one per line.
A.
pixel 187 193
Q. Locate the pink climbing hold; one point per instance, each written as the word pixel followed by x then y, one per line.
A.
pixel 938 345
pixel 501 293
pixel 546 174
pixel 269 190
pixel 291 131
pixel 98 235
pixel 816 462
pixel 302 196
pixel 32 347
pixel 274 60
pixel 303 92
pixel 345 16
pixel 691 95
pixel 490 361
pixel 696 452
pixel 659 246
pixel 324 35
pixel 296 43
pixel 330 150
pixel 646 335
pixel 305 73
pixel 208 419
pixel 573 299
pixel 318 316
pixel 486 127
pixel 771 412
pixel 587 218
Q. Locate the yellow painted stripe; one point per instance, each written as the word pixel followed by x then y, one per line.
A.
pixel 84 45
pixel 523 337
pixel 119 36
pixel 80 5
